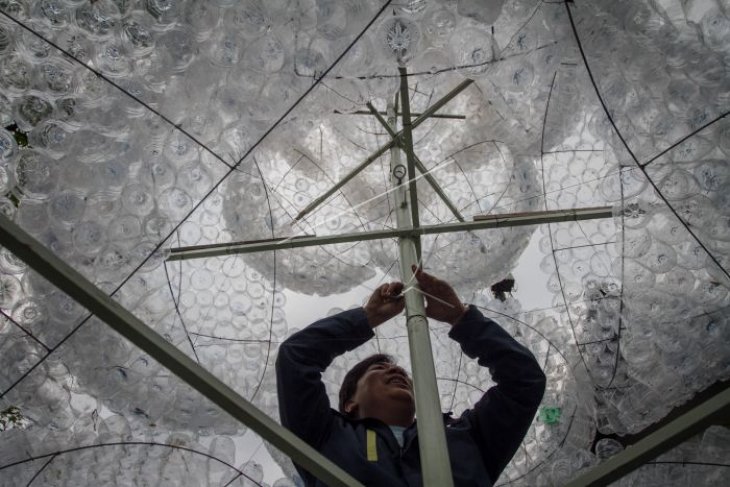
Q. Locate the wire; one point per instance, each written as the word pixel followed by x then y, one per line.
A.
pixel 550 233
pixel 118 87
pixel 37 474
pixel 549 455
pixel 631 153
pixel 28 333
pixel 691 134
pixel 683 463
pixel 457 381
pixel 177 310
pixel 273 289
pixel 530 327
pixel 241 340
pixel 253 454
pixel 617 355
pixel 127 443
pixel 204 198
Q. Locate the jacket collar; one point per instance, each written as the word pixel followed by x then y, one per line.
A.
pixel 382 429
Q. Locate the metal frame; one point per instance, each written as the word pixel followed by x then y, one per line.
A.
pixel 481 223
pixel 715 409
pixel 61 275
pixel 421 167
pixel 382 150
pixel 434 453
pixel 434 456
pixel 435 463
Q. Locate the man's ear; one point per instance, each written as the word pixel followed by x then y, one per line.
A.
pixel 351 407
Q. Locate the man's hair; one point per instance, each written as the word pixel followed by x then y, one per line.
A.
pixel 349 384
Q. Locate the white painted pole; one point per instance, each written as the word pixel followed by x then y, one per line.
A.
pixel 435 465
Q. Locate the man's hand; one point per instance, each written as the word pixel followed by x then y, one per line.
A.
pixel 385 303
pixel 442 303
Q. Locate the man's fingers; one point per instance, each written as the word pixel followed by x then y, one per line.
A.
pixel 390 290
pixel 382 290
pixel 420 275
pixel 426 281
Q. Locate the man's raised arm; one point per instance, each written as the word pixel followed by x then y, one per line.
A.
pixel 304 407
pixel 503 415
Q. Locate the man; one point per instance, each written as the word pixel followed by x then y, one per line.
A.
pixel 373 436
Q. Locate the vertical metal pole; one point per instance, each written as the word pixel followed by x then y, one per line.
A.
pixel 435 465
pixel 424 172
pixel 408 148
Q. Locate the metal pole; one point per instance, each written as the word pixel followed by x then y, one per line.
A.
pixel 425 172
pixel 347 178
pixel 61 275
pixel 443 101
pixel 375 155
pixel 408 149
pixel 481 223
pixel 435 464
pixel 717 408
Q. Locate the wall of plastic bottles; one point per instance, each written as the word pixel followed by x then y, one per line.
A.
pixel 128 128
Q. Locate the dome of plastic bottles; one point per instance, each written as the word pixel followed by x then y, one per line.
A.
pixel 131 129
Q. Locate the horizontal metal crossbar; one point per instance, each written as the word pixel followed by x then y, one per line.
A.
pixel 435 115
pixel 715 409
pixel 60 274
pixel 483 222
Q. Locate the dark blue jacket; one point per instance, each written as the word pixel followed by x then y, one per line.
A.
pixel 481 442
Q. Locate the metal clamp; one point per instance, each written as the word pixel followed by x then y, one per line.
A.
pixel 399 172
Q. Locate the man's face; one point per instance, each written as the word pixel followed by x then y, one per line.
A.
pixel 384 392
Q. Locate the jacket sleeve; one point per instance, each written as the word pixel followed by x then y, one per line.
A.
pixel 501 418
pixel 304 407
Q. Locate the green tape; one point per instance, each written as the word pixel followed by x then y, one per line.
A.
pixel 549 415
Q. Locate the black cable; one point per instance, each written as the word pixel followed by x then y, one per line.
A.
pixel 37 474
pixel 489 310
pixel 450 69
pixel 127 443
pixel 196 206
pixel 628 149
pixel 550 233
pixel 621 293
pixel 457 381
pixel 27 332
pixel 177 311
pixel 548 456
pixel 462 382
pixel 273 287
pixel 597 244
pixel 691 134
pixel 118 87
pixel 227 339
pixel 682 462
